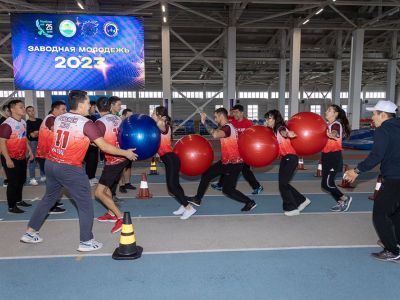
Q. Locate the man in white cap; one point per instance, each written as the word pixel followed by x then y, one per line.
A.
pixel 386 151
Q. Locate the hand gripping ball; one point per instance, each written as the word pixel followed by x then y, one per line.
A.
pixel 140 132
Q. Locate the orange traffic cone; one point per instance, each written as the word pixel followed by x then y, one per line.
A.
pixel 127 243
pixel 153 167
pixel 345 184
pixel 144 192
pixel 319 170
pixel 377 187
pixel 300 166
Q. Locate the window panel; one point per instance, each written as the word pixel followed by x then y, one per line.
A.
pixel 152 107
pixel 252 112
pixel 286 112
pixel 316 109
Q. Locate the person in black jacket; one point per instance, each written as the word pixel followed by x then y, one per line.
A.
pixel 5 113
pixel 386 151
pixel 32 133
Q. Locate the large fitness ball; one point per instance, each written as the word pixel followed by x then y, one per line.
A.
pixel 195 153
pixel 258 146
pixel 140 132
pixel 310 129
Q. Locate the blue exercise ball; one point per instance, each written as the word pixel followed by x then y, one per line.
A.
pixel 140 132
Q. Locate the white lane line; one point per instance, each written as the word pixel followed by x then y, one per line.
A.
pixel 207 195
pixel 194 251
pixel 217 215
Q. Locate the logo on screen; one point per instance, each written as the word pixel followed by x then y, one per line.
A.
pixel 89 28
pixel 45 28
pixel 67 28
pixel 110 29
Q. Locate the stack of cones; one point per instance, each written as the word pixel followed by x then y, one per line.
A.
pixel 153 167
pixel 127 244
pixel 345 184
pixel 144 192
pixel 377 187
pixel 319 170
pixel 300 166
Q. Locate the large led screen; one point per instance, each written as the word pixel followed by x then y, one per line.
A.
pixel 85 52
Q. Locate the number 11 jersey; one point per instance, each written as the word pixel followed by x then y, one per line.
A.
pixel 72 136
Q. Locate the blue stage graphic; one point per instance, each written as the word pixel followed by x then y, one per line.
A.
pixel 85 52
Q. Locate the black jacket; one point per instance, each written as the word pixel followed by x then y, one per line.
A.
pixel 386 150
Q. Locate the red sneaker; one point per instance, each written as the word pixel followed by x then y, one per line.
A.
pixel 107 218
pixel 117 227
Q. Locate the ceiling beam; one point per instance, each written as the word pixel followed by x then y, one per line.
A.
pixel 343 16
pixel 197 13
pixel 140 7
pixel 277 15
pixel 25 4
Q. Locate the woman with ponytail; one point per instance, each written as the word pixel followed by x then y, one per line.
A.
pixel 172 162
pixel 293 201
pixel 331 156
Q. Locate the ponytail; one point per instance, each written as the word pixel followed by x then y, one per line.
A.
pixel 162 111
pixel 342 118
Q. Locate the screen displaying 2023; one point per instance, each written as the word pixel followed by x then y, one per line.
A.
pixel 85 52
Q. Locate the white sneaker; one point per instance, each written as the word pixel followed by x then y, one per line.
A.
pixel 31 238
pixel 304 204
pixel 33 181
pixel 187 213
pixel 90 245
pixel 179 211
pixel 43 179
pixel 291 213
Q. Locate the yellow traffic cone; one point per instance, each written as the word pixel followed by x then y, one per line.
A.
pixel 127 243
pixel 153 167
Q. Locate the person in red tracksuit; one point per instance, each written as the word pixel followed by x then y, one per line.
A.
pixel 331 156
pixel 72 134
pixel 172 163
pixel 230 165
pixel 14 148
pixel 241 124
pixel 46 139
pixel 293 201
pixel 108 125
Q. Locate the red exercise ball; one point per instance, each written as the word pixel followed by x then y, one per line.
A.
pixel 195 153
pixel 310 129
pixel 258 146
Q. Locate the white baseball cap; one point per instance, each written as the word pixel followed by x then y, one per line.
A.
pixel 385 106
